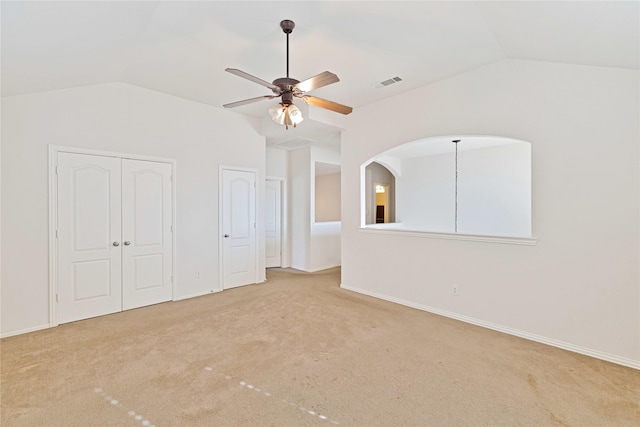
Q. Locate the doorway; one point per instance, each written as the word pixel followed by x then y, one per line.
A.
pixel 382 203
pixel 379 195
pixel 273 223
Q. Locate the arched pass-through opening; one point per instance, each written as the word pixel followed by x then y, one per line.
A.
pixel 468 185
pixel 379 190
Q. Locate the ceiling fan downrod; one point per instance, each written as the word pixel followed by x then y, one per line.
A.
pixel 287 27
pixel 287 88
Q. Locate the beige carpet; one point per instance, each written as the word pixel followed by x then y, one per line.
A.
pixel 300 351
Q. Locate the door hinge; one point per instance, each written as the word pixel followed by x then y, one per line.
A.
pixel 56 297
pixel 56 170
pixel 170 178
pixel 56 233
pixel 171 228
pixel 171 279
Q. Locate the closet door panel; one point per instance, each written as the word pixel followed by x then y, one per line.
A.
pixel 89 246
pixel 146 233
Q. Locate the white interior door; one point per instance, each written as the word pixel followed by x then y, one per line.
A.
pixel 89 245
pixel 273 224
pixel 238 213
pixel 146 233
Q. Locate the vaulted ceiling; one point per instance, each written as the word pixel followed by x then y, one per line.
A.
pixel 182 48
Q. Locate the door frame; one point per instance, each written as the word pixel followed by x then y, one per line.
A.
pixel 53 214
pixel 259 228
pixel 284 220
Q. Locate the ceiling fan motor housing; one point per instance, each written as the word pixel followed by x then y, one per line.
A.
pixel 285 86
pixel 287 98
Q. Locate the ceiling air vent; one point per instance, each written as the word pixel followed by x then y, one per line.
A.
pixel 290 144
pixel 388 82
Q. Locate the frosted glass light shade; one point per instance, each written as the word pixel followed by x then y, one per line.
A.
pixel 286 115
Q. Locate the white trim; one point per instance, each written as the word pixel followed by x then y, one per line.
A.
pixel 515 332
pixel 199 294
pixel 284 221
pixel 53 220
pixel 25 331
pixel 326 267
pixel 236 168
pixel 256 174
pixel 527 241
pixel 326 223
pixel 91 152
pixel 219 233
pixel 53 225
pixel 174 221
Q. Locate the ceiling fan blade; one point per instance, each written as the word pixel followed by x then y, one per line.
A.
pixel 329 105
pixel 315 82
pixel 254 79
pixel 248 101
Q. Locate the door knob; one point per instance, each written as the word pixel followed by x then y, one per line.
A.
pixel 127 243
pixel 116 243
pixel 226 235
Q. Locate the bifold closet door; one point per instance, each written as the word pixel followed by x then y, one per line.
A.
pixel 89 231
pixel 114 235
pixel 146 233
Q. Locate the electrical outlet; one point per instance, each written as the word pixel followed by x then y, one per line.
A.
pixel 455 290
pixel 197 274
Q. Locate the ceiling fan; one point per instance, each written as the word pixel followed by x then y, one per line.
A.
pixel 287 88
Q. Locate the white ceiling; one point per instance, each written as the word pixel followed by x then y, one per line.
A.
pixel 182 48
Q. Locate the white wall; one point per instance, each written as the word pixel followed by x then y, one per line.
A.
pixel 277 162
pixel 277 166
pixel 119 118
pixel 494 191
pixel 325 246
pixel 314 245
pixel 579 287
pixel 327 198
pixel 426 193
pixel 300 207
pixel 325 236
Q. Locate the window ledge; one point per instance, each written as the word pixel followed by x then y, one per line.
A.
pixel 327 223
pixel 527 241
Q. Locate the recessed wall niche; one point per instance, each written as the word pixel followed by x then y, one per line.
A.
pixel 479 185
pixel 327 192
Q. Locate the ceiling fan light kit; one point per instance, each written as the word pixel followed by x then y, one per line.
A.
pixel 286 115
pixel 286 88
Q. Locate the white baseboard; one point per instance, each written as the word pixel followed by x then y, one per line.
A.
pixel 326 267
pixel 533 337
pixel 199 294
pixel 38 328
pixel 25 331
